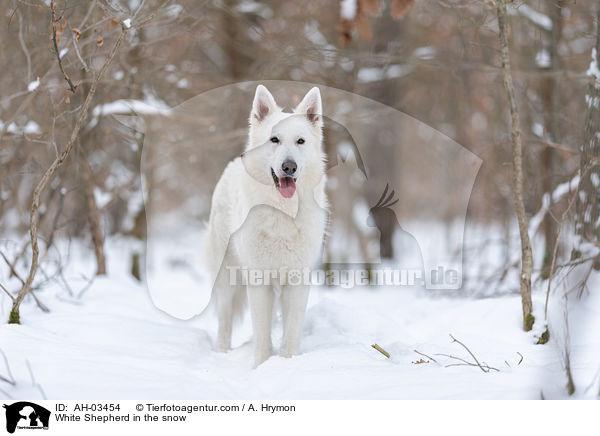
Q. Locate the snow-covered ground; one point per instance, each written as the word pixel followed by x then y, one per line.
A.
pixel 113 343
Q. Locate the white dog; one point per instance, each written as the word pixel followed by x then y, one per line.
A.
pixel 269 214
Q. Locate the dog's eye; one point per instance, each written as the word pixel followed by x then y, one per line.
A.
pixel 300 141
pixel 275 140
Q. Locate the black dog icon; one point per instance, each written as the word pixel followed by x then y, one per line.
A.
pixel 37 415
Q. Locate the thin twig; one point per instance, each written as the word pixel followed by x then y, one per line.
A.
pixel 425 355
pixel 13 271
pixel 53 6
pixel 8 371
pixel 39 302
pixel 560 147
pixel 484 368
pixel 34 383
pixel 24 47
pixel 76 46
pixel 7 293
pixel 10 397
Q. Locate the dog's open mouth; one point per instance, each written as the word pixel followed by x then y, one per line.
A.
pixel 285 185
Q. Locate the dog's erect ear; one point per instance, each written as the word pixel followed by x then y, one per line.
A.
pixel 263 104
pixel 312 107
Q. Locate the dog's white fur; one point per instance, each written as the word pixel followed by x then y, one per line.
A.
pixel 253 226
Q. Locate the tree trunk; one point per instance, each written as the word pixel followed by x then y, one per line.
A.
pixel 93 216
pixel 517 153
pixel 587 222
pixel 550 97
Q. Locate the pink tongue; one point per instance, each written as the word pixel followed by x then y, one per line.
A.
pixel 287 187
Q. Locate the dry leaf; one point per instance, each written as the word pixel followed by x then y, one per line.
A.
pixel 67 99
pixel 99 41
pixel 364 26
pixel 77 33
pixel 399 8
pixel 345 29
pixel 370 7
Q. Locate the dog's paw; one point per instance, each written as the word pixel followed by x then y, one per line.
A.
pixel 260 358
pixel 222 348
pixel 288 352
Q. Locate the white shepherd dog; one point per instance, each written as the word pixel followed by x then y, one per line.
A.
pixel 269 214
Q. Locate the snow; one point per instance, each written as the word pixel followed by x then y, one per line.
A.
pixel 531 14
pixel 548 198
pixel 149 106
pixel 375 74
pixel 542 59
pixel 127 106
pixel 426 53
pixel 127 23
pixel 113 342
pixel 348 9
pixel 102 198
pixel 593 70
pixel 537 129
pixel 252 7
pixel 311 30
pixel 174 10
pixel 33 85
pixel 63 52
pixel 30 128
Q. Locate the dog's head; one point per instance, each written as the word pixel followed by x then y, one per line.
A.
pixel 286 148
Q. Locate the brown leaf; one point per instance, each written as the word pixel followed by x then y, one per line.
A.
pixel 100 40
pixel 63 25
pixel 345 29
pixel 399 8
pixel 77 33
pixel 364 26
pixel 67 99
pixel 370 7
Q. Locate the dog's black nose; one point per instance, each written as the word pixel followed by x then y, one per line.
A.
pixel 289 167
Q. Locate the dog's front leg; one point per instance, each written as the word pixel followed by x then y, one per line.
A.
pixel 293 306
pixel 261 311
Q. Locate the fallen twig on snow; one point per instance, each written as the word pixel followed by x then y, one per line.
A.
pixel 381 350
pixel 425 355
